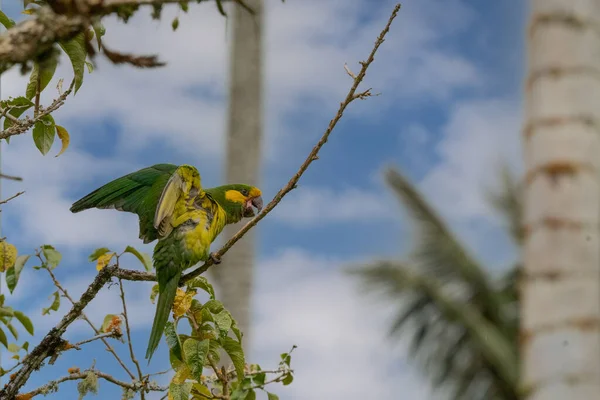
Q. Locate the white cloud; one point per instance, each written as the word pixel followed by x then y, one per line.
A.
pixel 342 351
pixel 319 205
pixel 478 136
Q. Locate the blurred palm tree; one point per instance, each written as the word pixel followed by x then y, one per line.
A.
pixel 461 323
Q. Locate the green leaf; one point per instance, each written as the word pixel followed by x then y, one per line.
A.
pixel 17 106
pixel 236 331
pixel 13 274
pixel 214 306
pixel 200 391
pixel 55 304
pixel 154 293
pixel 195 355
pixel 75 49
pixel 234 349
pixel 184 6
pixel 6 312
pixel 45 69
pixel 44 132
pixel 7 22
pixel 99 30
pixel 97 253
pixel 173 340
pixel 214 350
pixel 25 346
pixel 13 348
pixel 25 321
pixel 288 379
pixel 180 391
pixel 223 321
pixel 175 23
pixel 143 257
pixel 251 395
pixel 202 283
pixel 286 358
pixel 272 396
pixel 3 338
pixel 52 256
pixel 13 331
pixel 259 379
pixel 90 67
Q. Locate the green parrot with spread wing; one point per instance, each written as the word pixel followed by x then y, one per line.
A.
pixel 173 207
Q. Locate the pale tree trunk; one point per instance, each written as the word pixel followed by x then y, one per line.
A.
pixel 560 332
pixel 234 275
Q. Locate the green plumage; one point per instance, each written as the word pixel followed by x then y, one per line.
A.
pixel 173 208
pixel 138 193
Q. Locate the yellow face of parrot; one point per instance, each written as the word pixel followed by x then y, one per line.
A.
pixel 243 197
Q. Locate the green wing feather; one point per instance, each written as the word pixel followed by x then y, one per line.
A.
pixel 138 193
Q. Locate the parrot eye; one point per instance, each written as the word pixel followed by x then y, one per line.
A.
pixel 244 192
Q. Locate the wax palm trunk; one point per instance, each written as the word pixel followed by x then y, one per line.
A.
pixel 234 276
pixel 560 334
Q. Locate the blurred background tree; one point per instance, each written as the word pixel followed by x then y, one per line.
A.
pixel 461 324
pixel 244 152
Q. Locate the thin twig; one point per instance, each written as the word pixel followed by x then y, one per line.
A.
pixel 166 371
pixel 5 112
pixel 10 177
pixel 128 332
pixel 52 385
pixel 52 342
pixel 21 126
pixel 90 323
pixel 10 198
pixel 101 336
pixel 291 185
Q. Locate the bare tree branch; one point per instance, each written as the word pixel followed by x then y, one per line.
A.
pixel 11 197
pixel 312 156
pixel 11 177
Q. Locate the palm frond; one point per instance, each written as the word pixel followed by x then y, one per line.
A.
pixel 438 252
pixel 507 201
pixel 451 335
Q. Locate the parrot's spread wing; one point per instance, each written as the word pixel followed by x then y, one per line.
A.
pixel 138 193
pixel 182 187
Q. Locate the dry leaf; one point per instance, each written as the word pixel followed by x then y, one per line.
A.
pixel 8 256
pixel 103 260
pixel 182 302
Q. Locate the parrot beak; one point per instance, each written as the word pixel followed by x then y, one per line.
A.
pixel 256 202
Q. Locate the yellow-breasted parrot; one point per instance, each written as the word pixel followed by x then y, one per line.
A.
pixel 185 218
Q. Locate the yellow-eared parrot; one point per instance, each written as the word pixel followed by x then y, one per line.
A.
pixel 185 218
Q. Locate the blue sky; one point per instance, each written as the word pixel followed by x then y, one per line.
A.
pixel 450 78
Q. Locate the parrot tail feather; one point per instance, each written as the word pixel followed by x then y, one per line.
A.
pixel 163 308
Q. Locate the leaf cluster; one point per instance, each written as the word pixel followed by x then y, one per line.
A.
pixel 213 330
